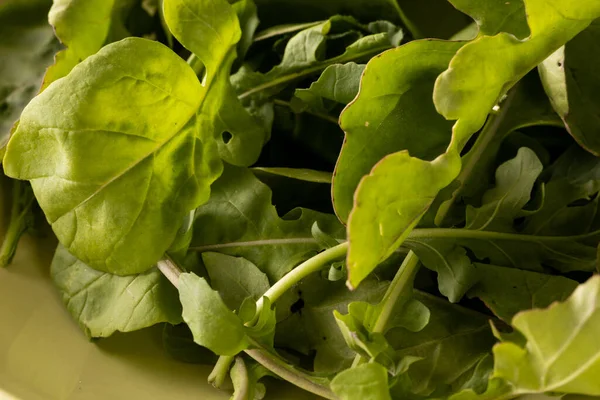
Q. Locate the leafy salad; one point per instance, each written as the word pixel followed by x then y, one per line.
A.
pixel 368 199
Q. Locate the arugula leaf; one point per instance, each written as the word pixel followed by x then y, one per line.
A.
pixel 502 204
pixel 210 29
pixel 305 54
pixel 103 304
pixel 569 80
pixel 314 327
pixel 491 74
pixel 27 45
pixel 235 278
pixel 367 381
pixel 496 16
pixel 565 361
pixel 392 112
pixel 386 210
pixel 69 145
pixel 243 223
pixel 338 83
pixel 213 325
pixel 450 346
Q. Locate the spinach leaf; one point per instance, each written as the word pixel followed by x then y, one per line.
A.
pixel 76 186
pixel 103 304
pixel 496 16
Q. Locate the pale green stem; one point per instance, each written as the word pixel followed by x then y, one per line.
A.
pixel 220 371
pixel 303 270
pixel 401 283
pixel 323 116
pixel 281 368
pixel 18 222
pixel 196 64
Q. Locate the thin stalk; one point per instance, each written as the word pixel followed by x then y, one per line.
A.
pixel 461 233
pixel 408 24
pixel 18 223
pixel 486 136
pixel 400 285
pixel 196 64
pixel 220 371
pixel 170 270
pixel 267 359
pixel 281 368
pixel 303 270
pixel 316 68
pixel 323 116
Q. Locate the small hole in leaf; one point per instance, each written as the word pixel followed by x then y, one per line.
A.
pixel 297 306
pixel 559 64
pixel 226 137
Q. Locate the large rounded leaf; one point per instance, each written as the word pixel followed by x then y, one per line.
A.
pixel 116 156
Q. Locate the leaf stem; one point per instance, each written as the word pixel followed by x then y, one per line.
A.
pixel 487 135
pixel 22 201
pixel 408 24
pixel 309 266
pixel 281 368
pixel 220 371
pixel 323 116
pixel 170 270
pixel 267 359
pixel 401 283
pixel 460 233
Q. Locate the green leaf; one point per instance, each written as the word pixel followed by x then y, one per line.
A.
pixel 84 164
pixel 570 82
pixel 495 16
pixel 103 304
pixel 313 327
pixel 236 279
pixel 213 325
pixel 338 83
pixel 392 112
pixel 387 209
pixel 371 345
pixel 506 291
pixel 450 346
pixel 365 382
pixel 83 27
pixel 210 29
pixel 305 54
pixel 526 106
pixel 27 46
pixel 477 78
pixel 566 361
pixel 262 328
pixel 243 223
pixel 20 219
pixel 502 204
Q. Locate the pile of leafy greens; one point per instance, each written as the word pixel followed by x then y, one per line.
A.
pixel 369 199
